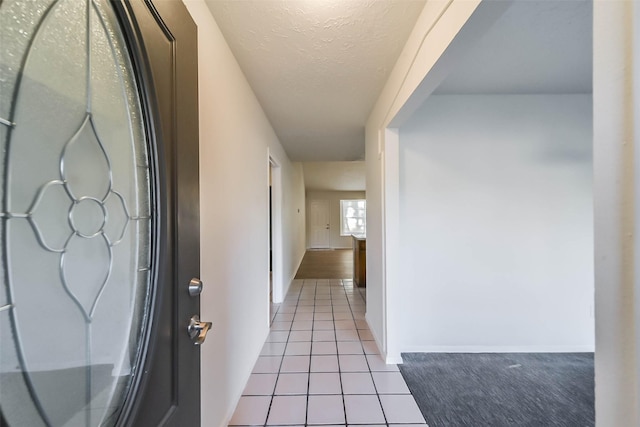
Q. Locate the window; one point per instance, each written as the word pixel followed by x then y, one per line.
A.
pixel 353 217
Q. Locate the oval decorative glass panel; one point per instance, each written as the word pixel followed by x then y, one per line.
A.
pixel 76 214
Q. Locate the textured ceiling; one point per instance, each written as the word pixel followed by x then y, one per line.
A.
pixel 537 46
pixel 317 66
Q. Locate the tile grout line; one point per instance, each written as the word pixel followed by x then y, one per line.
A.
pixel 375 387
pixel 313 320
pixel 273 393
pixel 344 402
pixel 335 291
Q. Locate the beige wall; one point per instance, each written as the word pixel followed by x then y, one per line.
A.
pixel 335 240
pixel 616 150
pixel 236 141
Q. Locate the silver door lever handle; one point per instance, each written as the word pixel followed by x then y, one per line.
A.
pixel 198 330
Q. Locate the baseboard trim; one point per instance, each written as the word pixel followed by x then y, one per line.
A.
pixel 329 248
pixel 389 359
pixel 393 360
pixel 500 349
pixel 235 399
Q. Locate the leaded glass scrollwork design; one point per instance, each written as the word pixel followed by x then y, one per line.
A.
pixel 76 214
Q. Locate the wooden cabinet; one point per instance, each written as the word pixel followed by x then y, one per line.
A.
pixel 359 260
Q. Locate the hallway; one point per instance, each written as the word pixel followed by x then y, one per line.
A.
pixel 320 366
pixel 326 264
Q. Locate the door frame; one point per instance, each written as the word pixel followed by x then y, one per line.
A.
pixel 175 176
pixel 312 244
pixel 273 166
pixel 158 180
pixel 472 19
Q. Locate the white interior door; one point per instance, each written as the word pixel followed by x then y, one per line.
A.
pixel 320 224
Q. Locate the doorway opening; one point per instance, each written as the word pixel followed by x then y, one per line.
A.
pixel 488 200
pixel 275 237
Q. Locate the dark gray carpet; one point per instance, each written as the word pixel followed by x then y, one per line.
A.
pixel 506 389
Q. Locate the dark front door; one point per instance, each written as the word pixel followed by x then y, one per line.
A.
pixel 167 38
pixel 100 214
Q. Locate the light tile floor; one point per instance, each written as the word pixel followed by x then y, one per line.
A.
pixel 320 366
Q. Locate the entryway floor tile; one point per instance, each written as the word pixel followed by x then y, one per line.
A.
pixel 321 367
pixel 288 410
pixel 357 383
pixel 292 384
pixel 363 409
pixel 324 383
pixel 390 383
pixel 260 385
pixel 401 408
pixel 251 410
pixel 325 410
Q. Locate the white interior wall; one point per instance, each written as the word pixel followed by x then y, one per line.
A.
pixel 293 222
pixel 615 189
pixel 616 362
pixel 496 224
pixel 236 140
pixel 440 22
pixel 336 241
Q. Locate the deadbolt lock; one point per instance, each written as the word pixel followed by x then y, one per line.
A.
pixel 195 287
